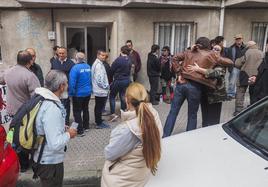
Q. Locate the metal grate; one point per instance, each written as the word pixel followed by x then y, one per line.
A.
pixel 260 34
pixel 178 36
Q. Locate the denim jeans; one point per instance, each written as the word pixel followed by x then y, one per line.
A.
pixel 234 75
pixel 190 91
pixel 118 86
pixel 66 104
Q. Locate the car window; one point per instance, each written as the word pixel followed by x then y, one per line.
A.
pixel 252 126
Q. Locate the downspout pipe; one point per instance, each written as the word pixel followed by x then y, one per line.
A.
pixel 53 24
pixel 222 13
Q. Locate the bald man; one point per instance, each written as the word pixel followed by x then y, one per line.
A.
pixel 64 64
pixel 35 68
pixel 80 88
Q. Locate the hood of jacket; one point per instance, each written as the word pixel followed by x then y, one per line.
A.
pixel 47 94
pixel 132 121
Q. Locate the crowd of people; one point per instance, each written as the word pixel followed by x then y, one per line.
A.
pixel 197 75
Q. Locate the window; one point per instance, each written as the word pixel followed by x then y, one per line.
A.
pixel 178 36
pixel 259 34
pixel 252 127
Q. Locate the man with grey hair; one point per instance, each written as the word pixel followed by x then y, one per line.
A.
pixel 248 65
pixel 80 88
pixel 50 122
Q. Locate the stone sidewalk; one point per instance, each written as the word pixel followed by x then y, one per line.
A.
pixel 84 159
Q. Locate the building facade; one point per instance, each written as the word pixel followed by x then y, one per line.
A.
pixel 88 25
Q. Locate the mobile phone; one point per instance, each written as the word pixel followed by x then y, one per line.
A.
pixel 74 125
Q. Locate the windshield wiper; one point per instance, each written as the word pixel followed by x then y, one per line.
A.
pixel 256 147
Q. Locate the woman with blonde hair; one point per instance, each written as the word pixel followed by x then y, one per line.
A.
pixel 134 149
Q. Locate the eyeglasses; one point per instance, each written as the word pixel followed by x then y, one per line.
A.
pixel 216 49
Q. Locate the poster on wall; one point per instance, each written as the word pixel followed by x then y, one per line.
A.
pixel 4 116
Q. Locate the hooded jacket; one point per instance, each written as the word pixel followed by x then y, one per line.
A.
pixel 125 164
pixel 50 121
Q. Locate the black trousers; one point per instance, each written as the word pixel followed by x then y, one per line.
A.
pixel 211 113
pixel 80 105
pixel 66 104
pixel 24 159
pixel 51 175
pixel 154 83
pixel 99 104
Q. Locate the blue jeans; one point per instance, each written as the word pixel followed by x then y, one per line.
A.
pixel 234 75
pixel 190 91
pixel 118 86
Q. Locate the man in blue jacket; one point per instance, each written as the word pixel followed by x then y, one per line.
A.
pixel 80 88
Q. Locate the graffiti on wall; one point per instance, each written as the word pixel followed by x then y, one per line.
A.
pixel 30 27
pixel 4 116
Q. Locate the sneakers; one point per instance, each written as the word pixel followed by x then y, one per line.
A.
pixel 167 101
pixel 155 103
pixel 102 126
pixel 80 134
pixel 86 129
pixel 229 98
pixel 105 113
pixel 113 117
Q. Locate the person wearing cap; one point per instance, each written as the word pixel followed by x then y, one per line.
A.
pixel 248 65
pixel 235 51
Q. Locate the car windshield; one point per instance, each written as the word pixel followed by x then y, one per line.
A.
pixel 252 127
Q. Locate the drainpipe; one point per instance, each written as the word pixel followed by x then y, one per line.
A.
pixel 53 24
pixel 222 12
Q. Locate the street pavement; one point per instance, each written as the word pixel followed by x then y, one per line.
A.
pixel 84 158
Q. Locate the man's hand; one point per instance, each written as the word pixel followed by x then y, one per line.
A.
pixel 181 80
pixel 72 132
pixel 252 80
pixel 194 67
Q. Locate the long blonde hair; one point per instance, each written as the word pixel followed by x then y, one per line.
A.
pixel 137 96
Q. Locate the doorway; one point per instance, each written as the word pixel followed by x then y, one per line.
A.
pixel 85 39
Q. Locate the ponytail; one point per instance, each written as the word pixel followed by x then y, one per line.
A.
pixel 150 136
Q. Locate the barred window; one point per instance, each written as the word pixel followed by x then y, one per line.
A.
pixel 259 34
pixel 178 36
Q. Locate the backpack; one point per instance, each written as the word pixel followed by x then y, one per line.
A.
pixel 22 132
pixel 23 126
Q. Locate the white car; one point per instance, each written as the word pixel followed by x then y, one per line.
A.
pixel 234 154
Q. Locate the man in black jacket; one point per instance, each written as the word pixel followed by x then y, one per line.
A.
pixel 259 82
pixel 153 72
pixel 64 64
pixel 35 68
